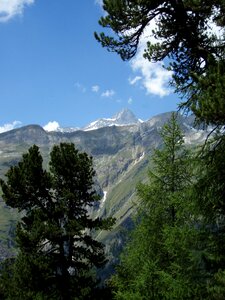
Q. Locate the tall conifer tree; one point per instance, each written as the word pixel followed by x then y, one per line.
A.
pixel 158 261
pixel 57 252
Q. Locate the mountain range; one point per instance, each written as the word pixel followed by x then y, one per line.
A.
pixel 121 148
pixel 124 117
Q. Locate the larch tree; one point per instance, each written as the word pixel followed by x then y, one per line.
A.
pixel 57 252
pixel 159 261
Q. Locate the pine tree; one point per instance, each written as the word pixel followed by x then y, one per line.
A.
pixel 57 253
pixel 195 57
pixel 159 261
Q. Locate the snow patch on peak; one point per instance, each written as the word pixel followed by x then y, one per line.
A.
pixel 126 116
pixel 123 118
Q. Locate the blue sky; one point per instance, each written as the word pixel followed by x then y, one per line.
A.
pixel 52 68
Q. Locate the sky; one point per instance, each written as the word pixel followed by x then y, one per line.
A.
pixel 54 73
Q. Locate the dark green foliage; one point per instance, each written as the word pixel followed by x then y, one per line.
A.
pixel 209 192
pixel 57 254
pixel 208 100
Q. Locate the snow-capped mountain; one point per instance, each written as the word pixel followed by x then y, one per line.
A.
pixel 125 117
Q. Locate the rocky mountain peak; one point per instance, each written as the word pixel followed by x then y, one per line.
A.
pixel 124 117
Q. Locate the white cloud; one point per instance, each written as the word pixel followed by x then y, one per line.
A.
pixel 155 78
pixel 11 8
pixel 95 88
pixel 108 93
pixel 130 101
pixel 152 76
pixel 7 127
pixel 134 80
pixel 51 126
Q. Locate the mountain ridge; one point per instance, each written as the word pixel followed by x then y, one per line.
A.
pixel 122 118
pixel 125 117
pixel 121 156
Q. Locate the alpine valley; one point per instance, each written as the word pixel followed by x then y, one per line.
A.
pixel 121 148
